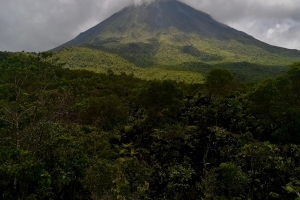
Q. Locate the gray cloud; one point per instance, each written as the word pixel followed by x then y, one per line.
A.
pixel 39 25
pixel 276 22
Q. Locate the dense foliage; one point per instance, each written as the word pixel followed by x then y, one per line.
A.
pixel 75 134
pixel 189 72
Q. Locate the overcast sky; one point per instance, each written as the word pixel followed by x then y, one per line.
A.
pixel 39 25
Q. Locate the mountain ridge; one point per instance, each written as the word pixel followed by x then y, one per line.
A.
pixel 169 31
pixel 160 21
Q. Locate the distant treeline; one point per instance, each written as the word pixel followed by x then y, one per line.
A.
pixel 243 71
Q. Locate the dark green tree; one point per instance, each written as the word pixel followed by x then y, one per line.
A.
pixel 161 98
pixel 219 82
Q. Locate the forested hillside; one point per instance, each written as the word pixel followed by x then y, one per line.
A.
pixel 76 134
pixel 169 32
pixel 189 72
pixel 101 61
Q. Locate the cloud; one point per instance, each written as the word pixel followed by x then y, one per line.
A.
pixel 276 22
pixel 39 25
pixel 140 2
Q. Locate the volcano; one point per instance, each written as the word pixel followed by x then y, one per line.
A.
pixel 169 32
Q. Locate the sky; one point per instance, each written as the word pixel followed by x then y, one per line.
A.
pixel 40 25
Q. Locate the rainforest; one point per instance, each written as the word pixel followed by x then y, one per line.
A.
pixel 77 134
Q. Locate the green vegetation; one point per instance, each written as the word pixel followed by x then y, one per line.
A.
pixel 101 62
pixel 76 134
pixel 189 72
pixel 4 55
pixel 170 48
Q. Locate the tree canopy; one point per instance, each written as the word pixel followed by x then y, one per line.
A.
pixel 75 134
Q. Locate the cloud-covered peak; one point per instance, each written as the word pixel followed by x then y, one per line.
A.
pixel 141 2
pixel 36 25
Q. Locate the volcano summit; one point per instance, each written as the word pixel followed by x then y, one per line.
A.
pixel 168 32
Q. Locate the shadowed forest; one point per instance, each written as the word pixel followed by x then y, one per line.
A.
pixel 76 134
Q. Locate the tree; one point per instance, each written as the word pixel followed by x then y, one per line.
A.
pixel 232 179
pixel 220 82
pixel 293 74
pixel 262 97
pixel 160 97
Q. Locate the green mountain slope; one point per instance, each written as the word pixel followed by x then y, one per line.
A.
pixel 171 33
pixel 100 61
